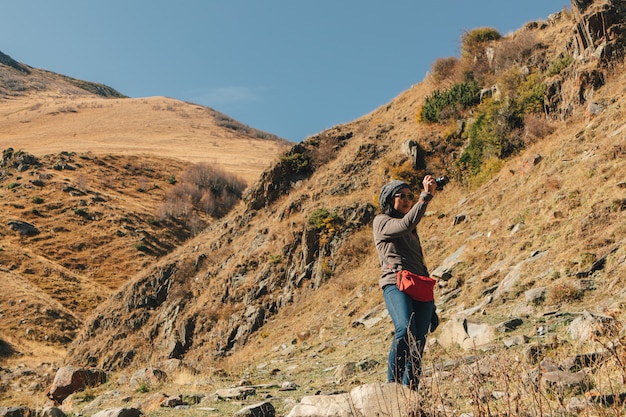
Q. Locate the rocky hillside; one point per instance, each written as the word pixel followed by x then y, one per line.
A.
pixel 94 187
pixel 544 219
pixel 528 237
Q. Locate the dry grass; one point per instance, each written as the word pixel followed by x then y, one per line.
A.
pixel 549 217
pixel 156 126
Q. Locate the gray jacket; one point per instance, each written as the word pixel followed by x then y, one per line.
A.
pixel 398 244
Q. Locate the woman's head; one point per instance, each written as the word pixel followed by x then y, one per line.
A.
pixel 403 200
pixel 393 197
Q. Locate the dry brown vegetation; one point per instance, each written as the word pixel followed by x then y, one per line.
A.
pixel 549 211
pixel 104 169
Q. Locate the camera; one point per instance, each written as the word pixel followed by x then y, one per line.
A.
pixel 441 182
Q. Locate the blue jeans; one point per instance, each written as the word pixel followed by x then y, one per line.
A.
pixel 411 320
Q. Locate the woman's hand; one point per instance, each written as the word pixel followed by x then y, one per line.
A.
pixel 430 185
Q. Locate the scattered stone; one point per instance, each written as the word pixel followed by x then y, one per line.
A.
pixel 369 400
pixel 468 335
pixel 119 412
pixel 576 405
pixel 594 109
pixel 147 376
pixel 444 271
pixel 23 228
pixel 237 393
pixel 561 379
pixel 371 318
pixel 582 361
pixel 458 219
pixel 509 325
pixel 20 411
pixel 52 412
pixel 606 400
pixel 588 326
pixel 516 228
pixel 264 409
pixel 535 295
pixel 516 340
pixel 597 266
pixel 288 386
pixel 171 402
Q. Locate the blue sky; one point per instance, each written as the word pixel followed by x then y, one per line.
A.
pixel 289 67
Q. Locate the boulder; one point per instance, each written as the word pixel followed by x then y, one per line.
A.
pixel 370 400
pixel 70 379
pixel 264 409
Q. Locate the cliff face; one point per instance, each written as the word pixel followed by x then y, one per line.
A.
pixel 600 28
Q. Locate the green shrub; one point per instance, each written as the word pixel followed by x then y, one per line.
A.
pixel 37 200
pixel 298 163
pixel 488 170
pixel 459 97
pixel 559 65
pixel 495 132
pixel 490 135
pixel 141 247
pixel 531 92
pixel 275 259
pixel 316 219
pixel 323 220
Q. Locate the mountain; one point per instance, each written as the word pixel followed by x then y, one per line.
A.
pixel 88 182
pixel 44 113
pixel 527 237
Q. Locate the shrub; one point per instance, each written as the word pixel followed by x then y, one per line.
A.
pixel 81 212
pixel 526 91
pixel 459 97
pixel 141 247
pixel 498 130
pixel 536 127
pixel 474 39
pixel 484 139
pixel 325 223
pixel 559 65
pixel 207 189
pixel 531 92
pixel 488 169
pixel 563 292
pixel 444 68
pixel 37 200
pixel 275 259
pixel 297 163
pixel 322 219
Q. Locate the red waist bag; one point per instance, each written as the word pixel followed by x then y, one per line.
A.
pixel 418 287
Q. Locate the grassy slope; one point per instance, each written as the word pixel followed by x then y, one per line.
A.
pixel 571 205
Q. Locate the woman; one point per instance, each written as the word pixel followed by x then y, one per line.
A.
pixel 398 246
